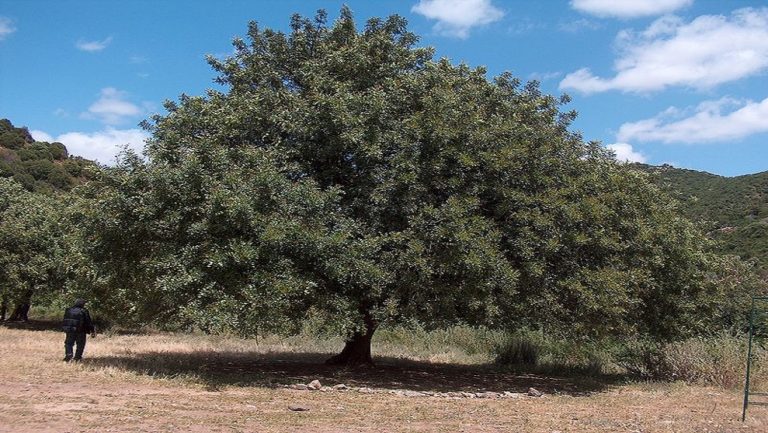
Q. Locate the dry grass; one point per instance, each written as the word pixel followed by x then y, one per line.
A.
pixel 169 382
pixel 717 361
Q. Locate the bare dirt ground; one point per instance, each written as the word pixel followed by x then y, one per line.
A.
pixel 159 383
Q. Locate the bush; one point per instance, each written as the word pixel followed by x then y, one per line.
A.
pixel 6 170
pixel 39 169
pixel 59 178
pixel 73 167
pixel 553 354
pixel 517 351
pixel 35 152
pixel 639 357
pixel 718 360
pixel 11 140
pixel 26 180
pixel 58 151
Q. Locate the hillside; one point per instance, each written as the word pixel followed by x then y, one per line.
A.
pixel 38 165
pixel 734 209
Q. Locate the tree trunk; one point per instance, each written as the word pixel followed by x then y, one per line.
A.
pixel 357 350
pixel 3 308
pixel 21 311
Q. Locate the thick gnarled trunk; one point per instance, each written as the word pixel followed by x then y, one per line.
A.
pixel 357 349
pixel 21 311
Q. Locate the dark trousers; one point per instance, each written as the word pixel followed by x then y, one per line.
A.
pixel 72 339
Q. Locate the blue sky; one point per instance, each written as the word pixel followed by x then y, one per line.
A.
pixel 682 82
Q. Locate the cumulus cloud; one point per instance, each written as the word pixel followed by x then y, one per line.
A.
pixel 93 46
pixel 457 17
pixel 6 27
pixel 628 8
pixel 112 108
pixel 102 146
pixel 625 153
pixel 710 50
pixel 711 121
pixel 41 136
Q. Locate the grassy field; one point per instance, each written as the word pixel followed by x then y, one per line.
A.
pixel 180 382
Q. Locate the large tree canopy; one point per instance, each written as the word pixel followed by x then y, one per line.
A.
pixel 350 173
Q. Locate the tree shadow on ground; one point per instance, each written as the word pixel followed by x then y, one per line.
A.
pixel 276 369
pixel 55 325
pixel 33 325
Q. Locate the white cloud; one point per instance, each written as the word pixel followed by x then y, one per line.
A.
pixel 112 108
pixel 709 122
pixel 102 146
pixel 137 60
pixel 41 136
pixel 575 26
pixel 457 17
pixel 625 153
pixel 6 27
pixel 710 50
pixel 93 46
pixel 628 8
pixel 524 26
pixel 544 76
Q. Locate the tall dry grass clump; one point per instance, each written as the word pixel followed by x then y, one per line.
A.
pixel 719 360
pixel 459 344
pixel 545 353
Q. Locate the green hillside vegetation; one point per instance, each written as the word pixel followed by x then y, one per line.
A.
pixel 734 210
pixel 39 166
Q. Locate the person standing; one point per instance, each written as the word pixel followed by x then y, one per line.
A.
pixel 77 324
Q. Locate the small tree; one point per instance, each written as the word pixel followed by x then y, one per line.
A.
pixel 349 172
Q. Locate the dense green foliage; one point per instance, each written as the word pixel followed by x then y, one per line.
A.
pixel 350 175
pixel 30 245
pixel 733 209
pixel 38 165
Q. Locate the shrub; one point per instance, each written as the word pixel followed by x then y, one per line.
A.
pixel 718 360
pixel 554 354
pixel 35 152
pixel 58 151
pixel 6 170
pixel 25 179
pixel 39 169
pixel 11 140
pixel 59 178
pixel 73 167
pixel 517 351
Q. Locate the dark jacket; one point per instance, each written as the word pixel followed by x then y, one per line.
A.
pixel 77 319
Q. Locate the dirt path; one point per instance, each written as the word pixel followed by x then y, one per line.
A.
pixel 42 394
